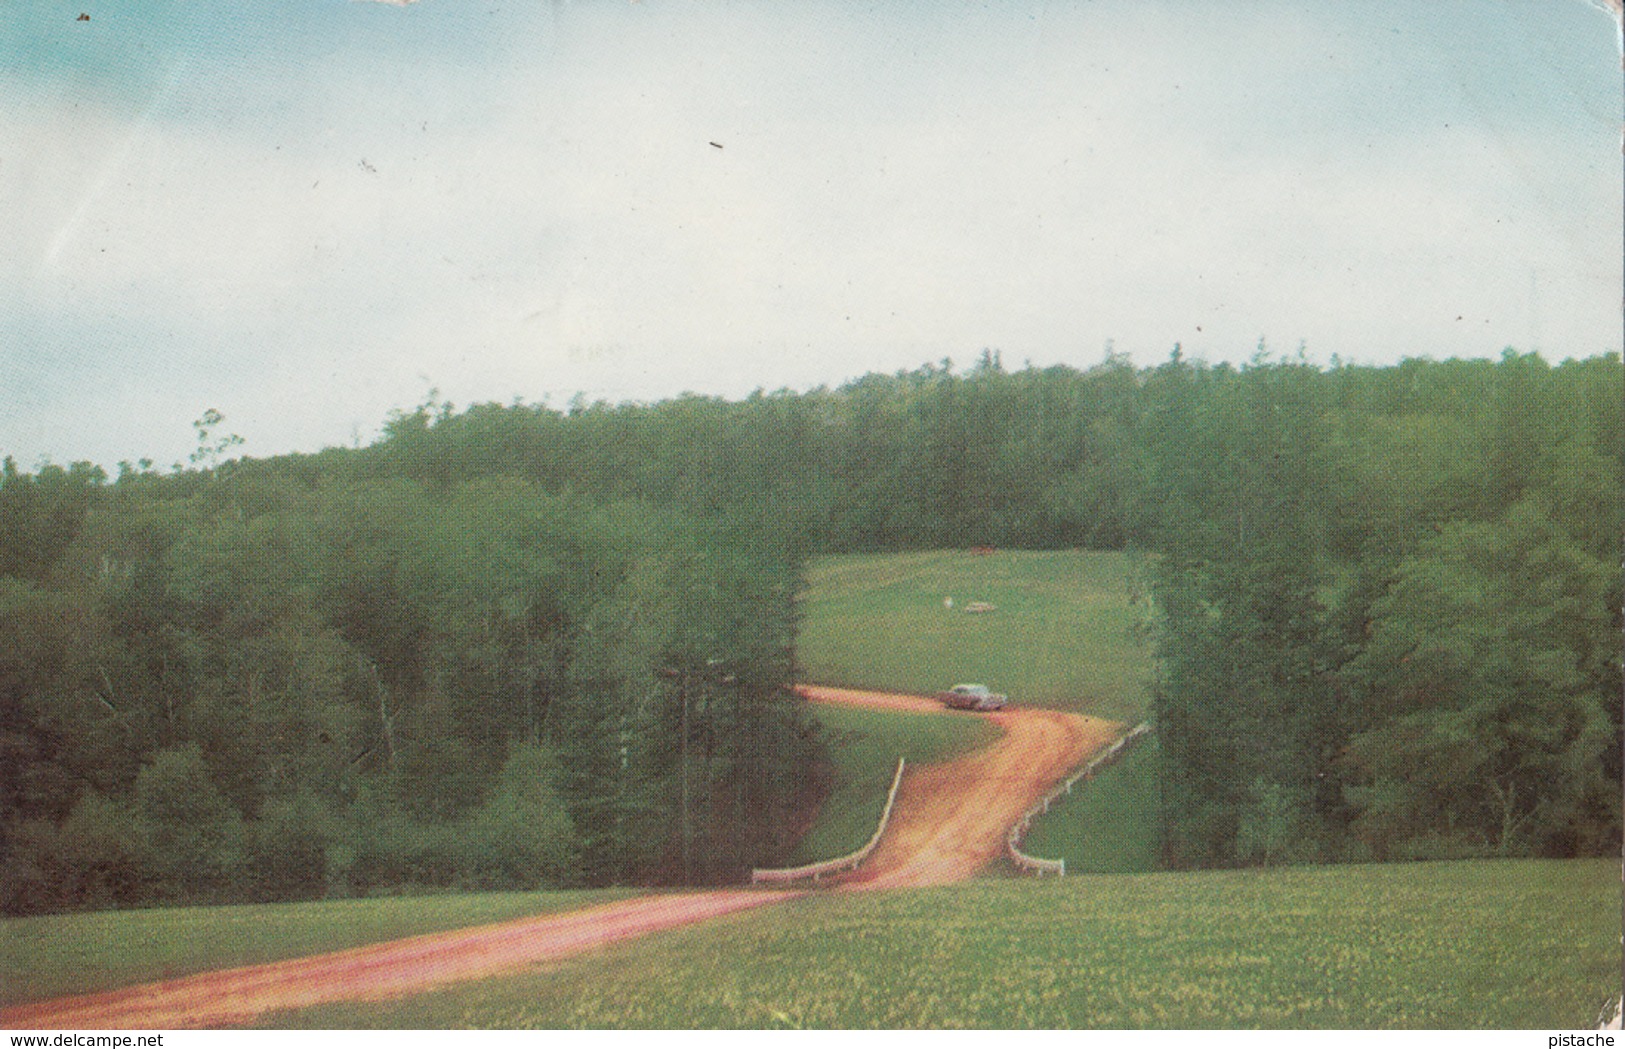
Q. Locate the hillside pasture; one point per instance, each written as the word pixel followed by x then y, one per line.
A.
pixel 1061 632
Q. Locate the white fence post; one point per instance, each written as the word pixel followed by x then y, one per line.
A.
pixel 1019 831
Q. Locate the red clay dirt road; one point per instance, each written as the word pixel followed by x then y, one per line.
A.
pixel 949 821
pixel 230 997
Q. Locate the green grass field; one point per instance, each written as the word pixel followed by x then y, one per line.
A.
pixel 58 954
pixel 1061 634
pixel 1108 824
pixel 865 746
pixel 1482 944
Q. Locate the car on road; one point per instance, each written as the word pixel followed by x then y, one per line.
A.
pixel 972 697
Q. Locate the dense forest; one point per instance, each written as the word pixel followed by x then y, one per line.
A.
pixel 517 646
pixel 320 675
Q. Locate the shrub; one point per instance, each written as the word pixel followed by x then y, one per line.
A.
pixel 190 837
pixel 522 837
pixel 100 854
pixel 287 851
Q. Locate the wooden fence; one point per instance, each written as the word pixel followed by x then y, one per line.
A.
pixel 1019 831
pixel 847 862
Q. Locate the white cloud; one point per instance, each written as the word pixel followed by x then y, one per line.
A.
pixel 884 192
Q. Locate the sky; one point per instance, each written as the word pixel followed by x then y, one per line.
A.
pixel 309 214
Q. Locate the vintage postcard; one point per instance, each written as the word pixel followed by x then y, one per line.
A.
pixel 634 514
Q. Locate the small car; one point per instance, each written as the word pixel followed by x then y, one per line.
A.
pixel 972 697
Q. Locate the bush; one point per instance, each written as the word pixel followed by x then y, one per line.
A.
pixel 27 868
pixel 90 860
pixel 522 837
pixel 190 837
pixel 395 852
pixel 100 854
pixel 288 851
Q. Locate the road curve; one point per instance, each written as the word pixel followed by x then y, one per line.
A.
pixel 949 821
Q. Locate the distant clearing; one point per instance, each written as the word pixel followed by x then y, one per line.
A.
pixel 1061 633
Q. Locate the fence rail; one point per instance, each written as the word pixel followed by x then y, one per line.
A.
pixel 847 862
pixel 1019 831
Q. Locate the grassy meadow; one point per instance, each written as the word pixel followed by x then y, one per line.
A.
pixel 1108 824
pixel 1481 944
pixel 1061 634
pixel 58 954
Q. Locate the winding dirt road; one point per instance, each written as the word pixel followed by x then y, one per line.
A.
pixel 949 821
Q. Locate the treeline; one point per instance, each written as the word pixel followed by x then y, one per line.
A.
pixel 275 680
pixel 1035 459
pixel 1390 610
pixel 516 645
